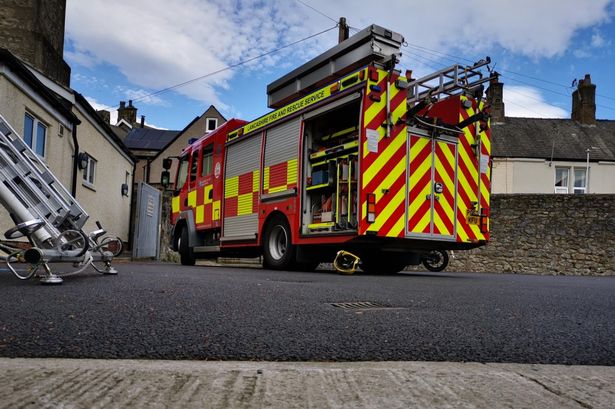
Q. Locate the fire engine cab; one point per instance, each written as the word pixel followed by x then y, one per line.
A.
pixel 354 156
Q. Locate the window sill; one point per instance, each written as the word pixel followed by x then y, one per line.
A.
pixel 89 186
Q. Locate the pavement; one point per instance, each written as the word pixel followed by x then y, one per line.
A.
pixel 86 383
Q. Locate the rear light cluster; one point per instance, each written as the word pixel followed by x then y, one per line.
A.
pixel 484 220
pixel 371 208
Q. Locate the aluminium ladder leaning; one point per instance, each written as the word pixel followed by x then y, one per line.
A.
pixel 47 215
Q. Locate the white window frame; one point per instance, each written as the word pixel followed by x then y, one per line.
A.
pixel 89 172
pixel 562 189
pixel 207 128
pixel 579 189
pixel 570 187
pixel 36 123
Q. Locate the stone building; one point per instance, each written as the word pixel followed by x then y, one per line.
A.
pixel 33 30
pixel 534 155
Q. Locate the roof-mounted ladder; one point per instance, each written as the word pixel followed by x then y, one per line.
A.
pixel 448 81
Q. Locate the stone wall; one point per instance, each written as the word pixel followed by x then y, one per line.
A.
pixel 546 234
pixel 33 30
pixel 165 229
pixel 530 234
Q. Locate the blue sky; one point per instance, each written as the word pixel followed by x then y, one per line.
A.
pixel 122 50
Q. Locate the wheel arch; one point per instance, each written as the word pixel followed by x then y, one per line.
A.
pixel 185 221
pixel 269 219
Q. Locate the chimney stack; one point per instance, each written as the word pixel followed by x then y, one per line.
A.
pixel 142 121
pixel 127 113
pixel 584 102
pixel 495 98
pixel 104 115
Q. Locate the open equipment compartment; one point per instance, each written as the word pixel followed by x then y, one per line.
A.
pixel 331 143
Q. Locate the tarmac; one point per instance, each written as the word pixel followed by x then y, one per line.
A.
pixel 86 383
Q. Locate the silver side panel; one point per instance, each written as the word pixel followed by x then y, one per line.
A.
pixel 282 142
pixel 241 227
pixel 243 157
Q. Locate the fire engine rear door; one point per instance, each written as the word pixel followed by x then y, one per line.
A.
pixel 431 188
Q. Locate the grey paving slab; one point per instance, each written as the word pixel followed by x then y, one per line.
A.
pixel 83 383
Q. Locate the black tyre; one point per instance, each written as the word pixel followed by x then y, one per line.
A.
pixel 278 250
pixel 435 260
pixel 382 265
pixel 186 255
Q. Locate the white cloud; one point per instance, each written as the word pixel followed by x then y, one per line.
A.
pixel 98 106
pixel 533 28
pixel 157 44
pixel 528 102
pixel 160 43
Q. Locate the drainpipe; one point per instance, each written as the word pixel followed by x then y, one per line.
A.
pixel 133 201
pixel 73 188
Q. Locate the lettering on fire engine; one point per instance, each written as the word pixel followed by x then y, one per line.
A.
pixel 287 110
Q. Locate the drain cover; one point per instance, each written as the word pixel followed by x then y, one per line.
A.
pixel 359 305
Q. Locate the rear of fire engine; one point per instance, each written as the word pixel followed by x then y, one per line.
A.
pixel 354 157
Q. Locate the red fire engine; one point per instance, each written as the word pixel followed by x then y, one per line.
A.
pixel 354 157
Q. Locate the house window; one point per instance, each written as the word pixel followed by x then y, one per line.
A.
pixel 564 184
pixel 580 181
pixel 34 134
pixel 89 172
pixel 208 160
pixel 561 180
pixel 212 123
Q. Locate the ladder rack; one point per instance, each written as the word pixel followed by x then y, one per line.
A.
pixel 448 81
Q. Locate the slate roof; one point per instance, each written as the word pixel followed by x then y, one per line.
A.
pixel 567 139
pixel 149 139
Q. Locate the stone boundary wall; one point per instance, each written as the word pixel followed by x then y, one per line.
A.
pixel 530 234
pixel 165 229
pixel 546 234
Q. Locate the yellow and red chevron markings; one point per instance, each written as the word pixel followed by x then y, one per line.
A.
pixel 431 162
pixel 475 186
pixel 453 165
pixel 384 171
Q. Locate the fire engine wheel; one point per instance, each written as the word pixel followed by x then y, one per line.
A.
pixel 278 250
pixel 381 265
pixel 186 256
pixel 435 260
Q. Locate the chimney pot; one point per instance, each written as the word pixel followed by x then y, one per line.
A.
pixel 142 121
pixel 130 103
pixel 122 104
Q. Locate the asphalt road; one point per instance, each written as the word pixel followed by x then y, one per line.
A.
pixel 166 311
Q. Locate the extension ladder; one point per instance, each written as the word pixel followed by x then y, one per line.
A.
pixel 47 215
